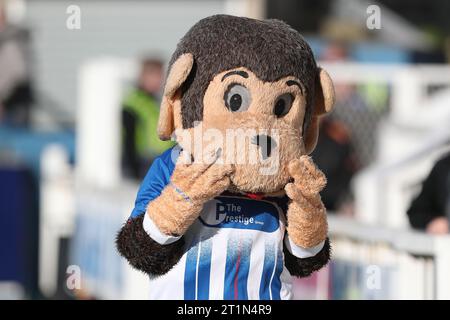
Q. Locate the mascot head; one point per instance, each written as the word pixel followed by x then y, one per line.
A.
pixel 249 90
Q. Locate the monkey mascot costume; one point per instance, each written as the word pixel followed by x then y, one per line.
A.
pixel 211 220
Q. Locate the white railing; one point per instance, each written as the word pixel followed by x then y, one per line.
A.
pixel 393 263
pixel 100 215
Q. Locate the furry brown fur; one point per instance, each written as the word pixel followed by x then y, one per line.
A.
pixel 143 253
pixel 307 220
pixel 304 267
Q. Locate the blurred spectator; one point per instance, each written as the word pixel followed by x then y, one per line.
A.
pixel 15 88
pixel 140 119
pixel 335 157
pixel 430 211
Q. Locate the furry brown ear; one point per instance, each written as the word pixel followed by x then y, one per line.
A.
pixel 323 104
pixel 170 117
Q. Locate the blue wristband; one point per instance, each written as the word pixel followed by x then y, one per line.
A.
pixel 180 192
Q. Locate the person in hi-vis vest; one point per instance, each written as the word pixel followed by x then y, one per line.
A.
pixel 140 114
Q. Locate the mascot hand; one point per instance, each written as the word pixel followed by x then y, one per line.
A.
pixel 201 180
pixel 307 220
pixel 191 185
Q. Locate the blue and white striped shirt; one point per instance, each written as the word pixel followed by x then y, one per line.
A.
pixel 233 251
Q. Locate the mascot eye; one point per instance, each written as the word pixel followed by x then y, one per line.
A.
pixel 283 105
pixel 237 98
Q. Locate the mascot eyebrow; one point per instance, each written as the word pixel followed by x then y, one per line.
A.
pixel 260 46
pixel 241 73
pixel 295 83
pixel 244 74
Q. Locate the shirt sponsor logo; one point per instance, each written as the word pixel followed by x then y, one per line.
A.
pixel 239 213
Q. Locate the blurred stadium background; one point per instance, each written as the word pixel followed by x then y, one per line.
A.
pixel 63 194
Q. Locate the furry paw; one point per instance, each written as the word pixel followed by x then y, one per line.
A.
pixel 308 179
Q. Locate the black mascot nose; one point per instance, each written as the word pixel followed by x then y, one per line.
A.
pixel 266 144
